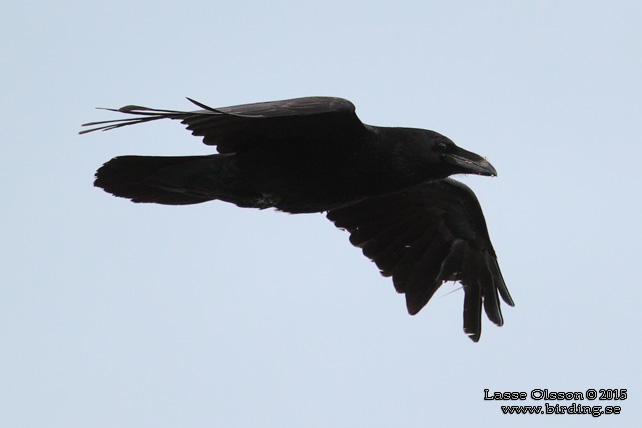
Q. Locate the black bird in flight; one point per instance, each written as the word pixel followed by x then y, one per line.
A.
pixel 388 187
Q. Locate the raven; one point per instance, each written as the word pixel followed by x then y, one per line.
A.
pixel 388 187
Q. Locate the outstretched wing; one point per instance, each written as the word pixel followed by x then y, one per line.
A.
pixel 425 236
pixel 235 129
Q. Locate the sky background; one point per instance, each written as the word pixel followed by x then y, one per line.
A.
pixel 115 314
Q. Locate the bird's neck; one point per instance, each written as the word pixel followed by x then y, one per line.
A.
pixel 399 160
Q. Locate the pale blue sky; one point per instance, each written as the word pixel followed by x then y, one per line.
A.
pixel 114 314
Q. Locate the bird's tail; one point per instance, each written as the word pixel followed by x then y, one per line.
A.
pixel 163 180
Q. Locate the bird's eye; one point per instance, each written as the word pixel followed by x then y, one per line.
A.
pixel 440 147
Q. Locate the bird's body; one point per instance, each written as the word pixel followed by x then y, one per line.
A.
pixel 387 186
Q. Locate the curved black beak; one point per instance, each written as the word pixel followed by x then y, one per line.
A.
pixel 471 163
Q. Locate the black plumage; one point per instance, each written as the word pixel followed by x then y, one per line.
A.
pixel 388 187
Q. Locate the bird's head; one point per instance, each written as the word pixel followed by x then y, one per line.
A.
pixel 440 156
